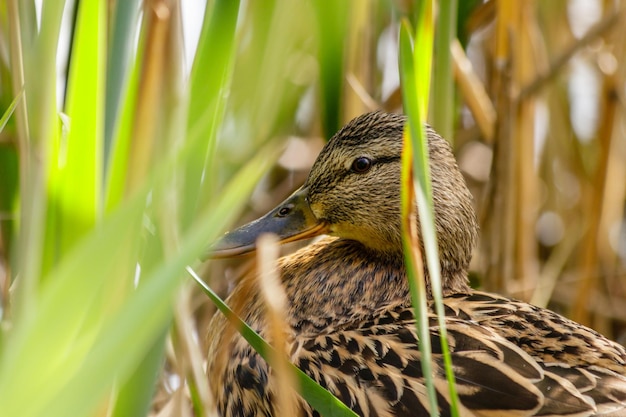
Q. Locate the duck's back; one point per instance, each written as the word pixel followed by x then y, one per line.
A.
pixel 375 366
pixel 509 358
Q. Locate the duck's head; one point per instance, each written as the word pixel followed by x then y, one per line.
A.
pixel 353 192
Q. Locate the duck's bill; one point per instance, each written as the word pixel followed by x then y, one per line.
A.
pixel 291 220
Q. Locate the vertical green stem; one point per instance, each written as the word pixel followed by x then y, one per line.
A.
pixel 442 110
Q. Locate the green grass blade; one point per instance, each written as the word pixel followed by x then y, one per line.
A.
pixel 123 31
pixel 414 268
pixel 319 398
pixel 117 163
pixel 208 87
pixel 442 109
pixel 135 395
pixel 422 59
pixel 415 76
pixel 47 346
pixel 9 111
pixel 39 52
pixel 332 25
pixel 40 69
pixel 80 155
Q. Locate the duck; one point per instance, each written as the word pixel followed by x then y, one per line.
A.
pixel 348 316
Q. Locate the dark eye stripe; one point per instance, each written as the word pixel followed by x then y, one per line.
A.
pixel 375 161
pixel 382 160
pixel 386 160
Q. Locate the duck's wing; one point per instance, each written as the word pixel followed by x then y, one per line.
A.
pixel 374 366
pixel 548 336
pixel 595 365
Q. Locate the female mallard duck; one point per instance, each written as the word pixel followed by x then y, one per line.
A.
pixel 351 326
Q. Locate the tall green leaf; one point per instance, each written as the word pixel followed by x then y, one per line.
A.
pixel 208 90
pixel 332 25
pixel 39 50
pixel 415 68
pixel 78 157
pixel 442 109
pixel 416 277
pixel 117 161
pixel 120 61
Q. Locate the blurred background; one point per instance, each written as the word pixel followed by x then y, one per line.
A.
pixel 138 131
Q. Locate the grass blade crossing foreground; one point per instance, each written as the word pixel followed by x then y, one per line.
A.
pixel 319 398
pixel 414 261
pixel 415 68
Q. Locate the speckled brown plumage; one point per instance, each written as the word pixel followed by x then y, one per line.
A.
pixel 351 327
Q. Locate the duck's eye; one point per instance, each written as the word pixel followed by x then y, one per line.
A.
pixel 284 210
pixel 361 165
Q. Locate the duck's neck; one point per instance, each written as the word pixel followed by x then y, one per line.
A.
pixel 338 278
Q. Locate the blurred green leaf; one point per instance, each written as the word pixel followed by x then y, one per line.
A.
pixel 208 91
pixel 78 158
pixel 443 109
pixel 49 343
pixel 75 345
pixel 42 131
pixel 120 59
pixel 135 394
pixel 117 169
pixel 332 26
